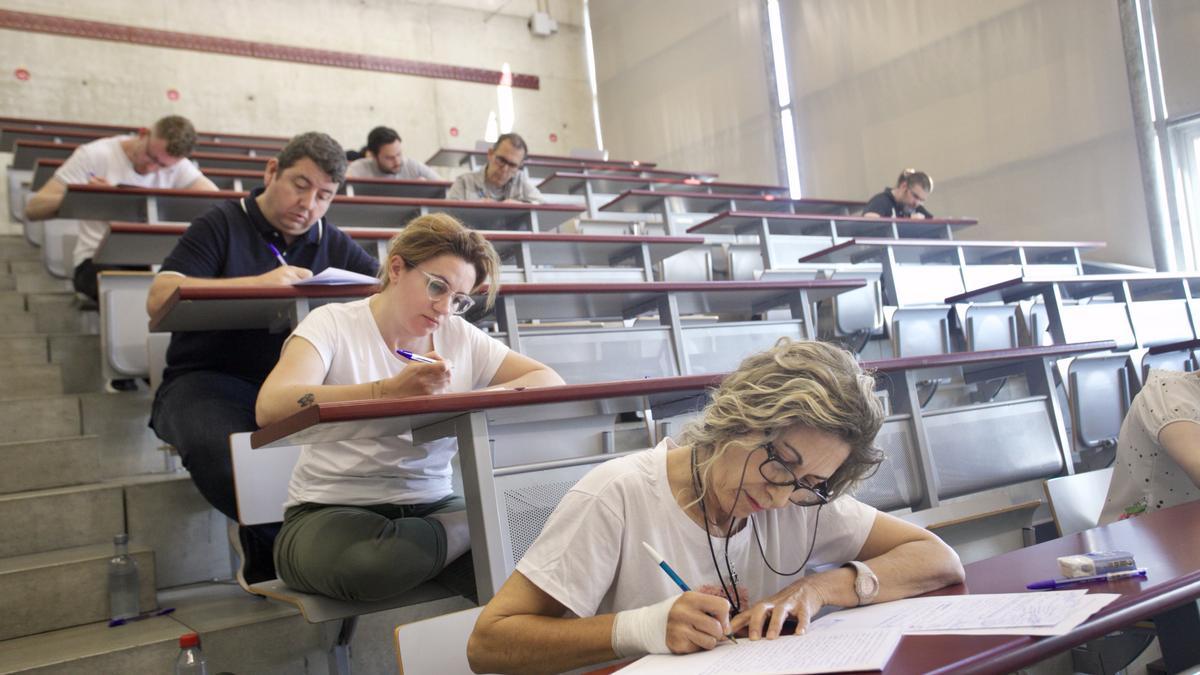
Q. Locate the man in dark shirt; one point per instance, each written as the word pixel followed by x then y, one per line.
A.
pixel 212 377
pixel 905 200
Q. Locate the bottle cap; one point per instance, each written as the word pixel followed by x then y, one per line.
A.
pixel 188 640
pixel 122 538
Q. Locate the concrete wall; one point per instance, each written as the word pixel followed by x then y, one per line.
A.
pixel 79 79
pixel 1018 108
pixel 683 83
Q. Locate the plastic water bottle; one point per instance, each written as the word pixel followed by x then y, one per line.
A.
pixel 191 659
pixel 123 588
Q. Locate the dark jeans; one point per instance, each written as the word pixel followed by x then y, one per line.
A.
pixel 196 412
pixel 85 276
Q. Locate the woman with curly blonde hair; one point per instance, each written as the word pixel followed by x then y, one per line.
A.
pixel 757 493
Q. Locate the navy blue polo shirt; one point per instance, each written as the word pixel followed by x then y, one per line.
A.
pixel 231 240
pixel 886 205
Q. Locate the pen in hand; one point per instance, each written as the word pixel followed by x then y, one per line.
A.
pixel 414 357
pixel 675 577
pixel 278 255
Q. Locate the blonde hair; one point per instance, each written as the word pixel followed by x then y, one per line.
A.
pixel 435 234
pixel 811 384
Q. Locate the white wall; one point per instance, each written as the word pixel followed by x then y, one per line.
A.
pixel 1018 108
pixel 683 83
pixel 89 80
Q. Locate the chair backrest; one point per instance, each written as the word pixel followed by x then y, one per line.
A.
pixel 1099 394
pixel 1098 321
pixel 991 327
pixel 1076 500
pixel 436 645
pixel 260 479
pixel 1160 322
pixel 920 331
pixel 123 327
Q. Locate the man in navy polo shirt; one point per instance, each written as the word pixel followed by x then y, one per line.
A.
pixel 212 377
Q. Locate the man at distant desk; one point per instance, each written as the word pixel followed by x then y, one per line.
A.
pixel 275 236
pixel 501 179
pixel 152 158
pixel 905 200
pixel 384 159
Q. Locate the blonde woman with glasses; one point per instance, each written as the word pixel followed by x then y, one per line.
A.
pixel 370 519
pixel 755 494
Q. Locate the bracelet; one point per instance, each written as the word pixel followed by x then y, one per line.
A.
pixel 643 630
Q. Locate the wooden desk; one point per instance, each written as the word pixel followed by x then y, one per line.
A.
pixel 10 135
pixel 670 204
pixel 225 179
pixel 113 129
pixel 494 429
pixel 922 271
pixel 99 202
pixel 1146 309
pixel 26 154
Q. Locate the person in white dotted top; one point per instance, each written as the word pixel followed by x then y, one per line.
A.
pixel 1158 450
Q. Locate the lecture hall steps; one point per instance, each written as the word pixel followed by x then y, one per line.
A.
pixel 78 465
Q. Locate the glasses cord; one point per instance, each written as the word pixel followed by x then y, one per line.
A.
pixel 735 604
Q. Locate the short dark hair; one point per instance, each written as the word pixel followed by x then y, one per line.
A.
pixel 179 134
pixel 514 140
pixel 379 137
pixel 912 177
pixel 325 152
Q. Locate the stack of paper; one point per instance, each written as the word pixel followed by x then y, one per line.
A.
pixel 334 276
pixel 864 638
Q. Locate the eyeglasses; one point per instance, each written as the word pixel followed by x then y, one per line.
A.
pixel 504 163
pixel 778 472
pixel 437 288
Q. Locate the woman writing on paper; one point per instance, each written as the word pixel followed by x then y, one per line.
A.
pixel 756 491
pixel 370 519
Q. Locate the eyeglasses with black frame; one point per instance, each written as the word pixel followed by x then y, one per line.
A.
pixel 778 472
pixel 437 288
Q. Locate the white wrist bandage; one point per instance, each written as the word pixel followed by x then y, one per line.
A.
pixel 642 631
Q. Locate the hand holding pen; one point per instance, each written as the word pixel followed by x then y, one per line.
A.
pixel 426 374
pixel 708 605
pixel 285 274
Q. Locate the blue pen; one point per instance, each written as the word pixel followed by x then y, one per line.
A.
pixel 278 255
pixel 1071 581
pixel 674 577
pixel 414 357
pixel 144 615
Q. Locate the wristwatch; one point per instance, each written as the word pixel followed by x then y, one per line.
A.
pixel 866 584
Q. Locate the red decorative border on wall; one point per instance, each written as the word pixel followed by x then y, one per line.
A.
pixel 99 30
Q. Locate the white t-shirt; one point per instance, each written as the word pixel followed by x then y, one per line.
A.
pixel 1145 478
pixel 590 556
pixel 383 470
pixel 104 158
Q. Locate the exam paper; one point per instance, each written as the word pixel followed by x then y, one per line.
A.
pixel 334 276
pixel 824 652
pixel 1048 613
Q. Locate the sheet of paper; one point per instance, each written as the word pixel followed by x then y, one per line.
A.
pixel 1047 613
pixel 334 276
pixel 828 651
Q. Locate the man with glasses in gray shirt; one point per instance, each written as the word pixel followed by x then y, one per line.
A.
pixel 501 179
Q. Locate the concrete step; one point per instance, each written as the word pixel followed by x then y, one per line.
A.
pixel 40 465
pixel 14 247
pixel 8 282
pixel 11 303
pixel 37 380
pixel 79 355
pixel 147 646
pixel 189 537
pixel 27 267
pixel 67 321
pixel 47 520
pixel 21 323
pixel 38 418
pixel 40 302
pixel 40 283
pixel 63 588
pixel 127 446
pixel 24 350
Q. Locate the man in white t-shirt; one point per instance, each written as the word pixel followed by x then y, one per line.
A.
pixel 152 158
pixel 385 160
